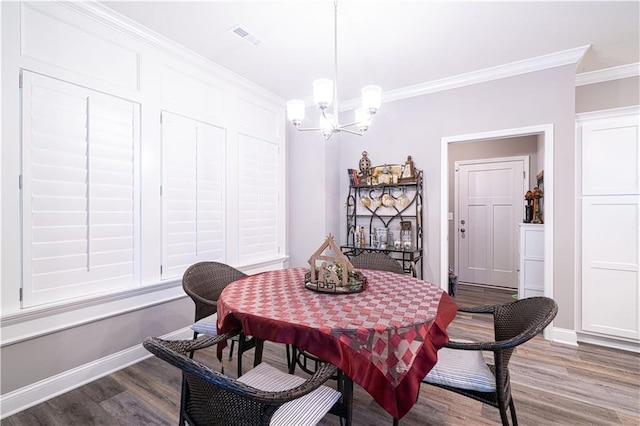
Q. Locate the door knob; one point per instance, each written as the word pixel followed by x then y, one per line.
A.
pixel 462 230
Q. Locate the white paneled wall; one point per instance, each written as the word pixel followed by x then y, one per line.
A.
pixel 54 36
pixel 132 152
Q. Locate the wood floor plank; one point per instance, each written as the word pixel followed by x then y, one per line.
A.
pixel 103 389
pixel 128 409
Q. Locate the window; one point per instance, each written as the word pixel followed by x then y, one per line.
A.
pixel 257 198
pixel 80 208
pixel 192 193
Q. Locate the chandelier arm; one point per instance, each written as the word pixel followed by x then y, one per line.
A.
pixel 353 132
pixel 341 126
pixel 307 129
pixel 333 123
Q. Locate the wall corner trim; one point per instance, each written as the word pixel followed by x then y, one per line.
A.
pixel 564 336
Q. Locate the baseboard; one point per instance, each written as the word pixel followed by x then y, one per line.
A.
pixel 609 342
pixel 28 396
pixel 564 335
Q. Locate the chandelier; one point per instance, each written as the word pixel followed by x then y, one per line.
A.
pixel 325 94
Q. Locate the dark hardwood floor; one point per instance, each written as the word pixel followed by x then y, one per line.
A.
pixel 553 384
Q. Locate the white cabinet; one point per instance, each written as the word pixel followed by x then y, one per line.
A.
pixel 610 213
pixel 531 266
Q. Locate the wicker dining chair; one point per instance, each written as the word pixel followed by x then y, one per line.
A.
pixel 203 282
pixel 262 396
pixel 461 367
pixel 377 260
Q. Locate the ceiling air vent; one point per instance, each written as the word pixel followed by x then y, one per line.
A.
pixel 244 34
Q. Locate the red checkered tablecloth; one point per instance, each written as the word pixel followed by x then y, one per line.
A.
pixel 384 338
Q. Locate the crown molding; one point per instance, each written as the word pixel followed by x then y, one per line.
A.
pixel 608 74
pixel 608 113
pixel 114 20
pixel 539 63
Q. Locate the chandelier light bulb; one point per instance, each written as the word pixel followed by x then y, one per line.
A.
pixel 327 124
pixel 295 111
pixel 371 97
pixel 363 119
pixel 323 92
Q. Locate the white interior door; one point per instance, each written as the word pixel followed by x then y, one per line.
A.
pixel 489 206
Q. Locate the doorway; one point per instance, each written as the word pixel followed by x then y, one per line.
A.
pixel 545 133
pixel 488 207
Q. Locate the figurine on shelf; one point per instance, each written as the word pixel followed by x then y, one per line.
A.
pixel 537 211
pixel 528 209
pixel 408 171
pixel 364 164
pixel 385 177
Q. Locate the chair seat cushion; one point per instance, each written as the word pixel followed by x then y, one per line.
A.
pixel 462 369
pixel 308 410
pixel 207 325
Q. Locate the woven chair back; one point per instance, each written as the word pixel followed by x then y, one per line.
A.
pixel 376 260
pixel 521 321
pixel 212 398
pixel 204 281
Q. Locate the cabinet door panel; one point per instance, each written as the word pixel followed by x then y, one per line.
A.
pixel 531 264
pixel 533 274
pixel 610 157
pixel 610 258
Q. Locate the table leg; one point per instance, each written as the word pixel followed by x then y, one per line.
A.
pixel 292 357
pixel 242 343
pixel 259 349
pixel 345 408
pixel 348 399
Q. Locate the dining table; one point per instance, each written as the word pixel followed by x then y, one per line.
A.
pixel 384 338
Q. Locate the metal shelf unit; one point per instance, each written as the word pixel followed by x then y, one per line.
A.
pixel 388 216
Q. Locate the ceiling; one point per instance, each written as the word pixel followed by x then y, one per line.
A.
pixel 392 43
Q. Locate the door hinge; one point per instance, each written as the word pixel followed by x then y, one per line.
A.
pixel 524 175
pixel 160 270
pixel 20 182
pixel 20 80
pixel 21 294
pixel 161 190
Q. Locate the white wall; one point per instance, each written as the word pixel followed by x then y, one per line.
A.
pixel 308 194
pixel 608 94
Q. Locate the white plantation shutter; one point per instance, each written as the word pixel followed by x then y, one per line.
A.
pixel 192 193
pixel 257 198
pixel 79 197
